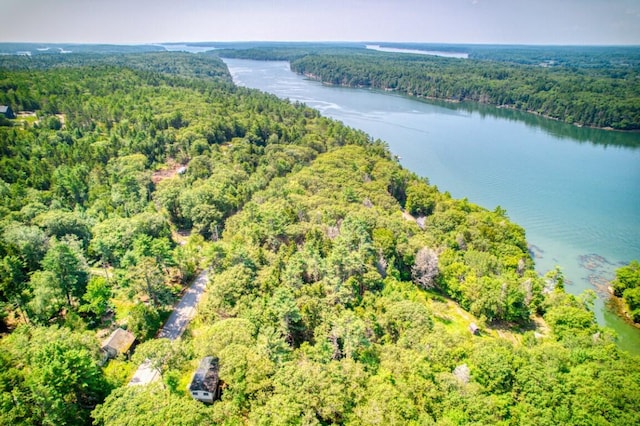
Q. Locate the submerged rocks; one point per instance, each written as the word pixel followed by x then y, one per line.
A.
pixel 600 271
pixel 535 252
pixel 593 262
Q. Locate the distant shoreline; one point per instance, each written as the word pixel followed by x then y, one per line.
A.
pixel 457 55
pixel 314 77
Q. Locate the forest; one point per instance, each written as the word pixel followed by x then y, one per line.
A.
pixel 596 89
pixel 343 287
pixel 575 57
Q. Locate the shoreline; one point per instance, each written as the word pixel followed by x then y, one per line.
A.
pixel 619 307
pixel 314 77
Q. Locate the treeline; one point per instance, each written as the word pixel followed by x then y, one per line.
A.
pixel 573 57
pixel 335 270
pixel 286 52
pixel 593 57
pixel 178 64
pixel 601 98
pixel 60 49
pixel 587 86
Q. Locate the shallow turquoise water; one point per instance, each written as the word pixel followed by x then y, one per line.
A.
pixel 575 191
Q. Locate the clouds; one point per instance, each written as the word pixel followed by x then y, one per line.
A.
pixel 454 21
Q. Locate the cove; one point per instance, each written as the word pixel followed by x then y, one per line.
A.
pixel 576 191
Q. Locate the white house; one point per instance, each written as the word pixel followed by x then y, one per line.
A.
pixel 204 385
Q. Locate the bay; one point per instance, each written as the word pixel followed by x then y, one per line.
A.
pixel 576 191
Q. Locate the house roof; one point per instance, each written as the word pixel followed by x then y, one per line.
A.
pixel 206 376
pixel 120 341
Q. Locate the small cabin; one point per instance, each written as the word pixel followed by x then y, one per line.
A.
pixel 204 385
pixel 474 329
pixel 7 111
pixel 119 342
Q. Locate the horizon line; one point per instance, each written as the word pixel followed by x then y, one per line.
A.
pixel 160 43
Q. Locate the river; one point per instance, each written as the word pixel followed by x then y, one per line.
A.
pixel 576 191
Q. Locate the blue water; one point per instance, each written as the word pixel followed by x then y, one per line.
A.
pixel 575 191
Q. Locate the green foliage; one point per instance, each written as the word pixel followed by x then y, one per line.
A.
pixel 65 261
pixel 420 199
pixel 225 332
pixel 152 405
pixel 60 223
pixel 598 96
pixel 147 280
pixel 13 284
pixel 493 367
pixel 49 376
pixel 144 321
pixel 112 238
pixel 627 277
pixel 301 311
pixel 574 57
pixel 568 318
pixel 47 299
pixel 163 354
pixel 311 308
pixel 97 296
pixel 28 243
pixel 627 285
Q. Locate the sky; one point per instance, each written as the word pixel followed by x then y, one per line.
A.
pixel 558 22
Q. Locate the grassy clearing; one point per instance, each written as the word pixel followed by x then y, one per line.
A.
pixel 457 320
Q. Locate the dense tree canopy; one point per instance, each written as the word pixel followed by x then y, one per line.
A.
pixel 49 376
pixel 586 86
pixel 599 98
pixel 342 286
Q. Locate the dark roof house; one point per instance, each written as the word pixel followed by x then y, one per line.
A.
pixel 7 111
pixel 204 385
pixel 118 343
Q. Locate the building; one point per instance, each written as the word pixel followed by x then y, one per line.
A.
pixel 204 385
pixel 7 111
pixel 118 343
